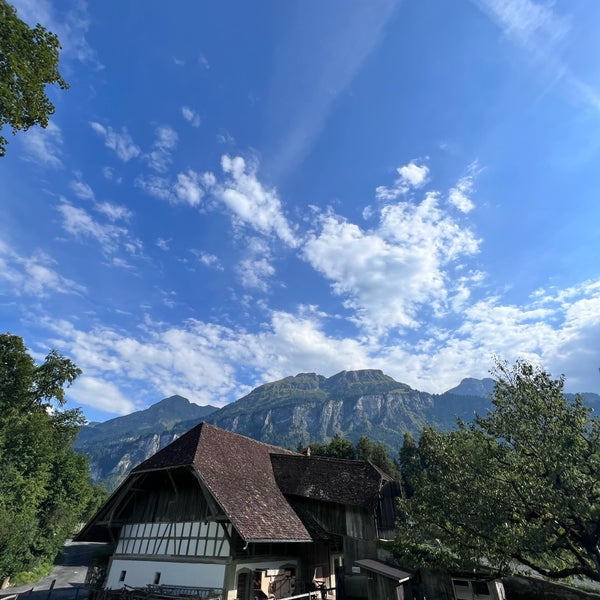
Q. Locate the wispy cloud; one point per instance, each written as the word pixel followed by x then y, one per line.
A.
pixel 250 202
pixel 207 259
pixel 542 32
pixel 160 158
pixel 82 226
pixel 33 275
pixel 186 188
pixel 71 27
pixel 308 78
pixel 43 146
pixel 203 62
pixel 121 143
pixel 82 190
pixel 114 212
pixel 460 194
pixel 191 116
pixel 535 24
pixel 163 244
pixel 411 176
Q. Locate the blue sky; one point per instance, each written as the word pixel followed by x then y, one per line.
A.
pixel 230 193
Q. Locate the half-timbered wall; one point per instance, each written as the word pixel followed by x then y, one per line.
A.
pixel 205 539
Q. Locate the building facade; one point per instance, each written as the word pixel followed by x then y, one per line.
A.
pixel 239 519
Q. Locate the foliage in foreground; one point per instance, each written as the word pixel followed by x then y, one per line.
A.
pixel 44 487
pixel 28 62
pixel 521 485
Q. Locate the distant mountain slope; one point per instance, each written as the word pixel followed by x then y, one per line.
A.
pixel 116 446
pixel 305 408
pixel 312 408
pixel 162 416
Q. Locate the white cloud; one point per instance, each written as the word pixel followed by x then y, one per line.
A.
pixel 191 116
pixel 43 146
pixel 80 224
pixel 163 244
pixel 70 27
pixel 82 190
pixel 250 203
pixel 201 361
pixel 33 275
pixel 101 394
pixel 207 259
pixel 186 189
pixel 121 143
pixel 114 212
pixel 159 187
pixel 528 21
pixel 225 138
pixel 255 273
pixel 203 62
pixel 389 273
pixel 542 32
pixel 160 158
pixel 412 176
pixel 210 363
pixel 298 107
pixel 465 186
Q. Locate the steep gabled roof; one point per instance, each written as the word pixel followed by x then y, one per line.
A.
pixel 253 483
pixel 349 482
pixel 237 472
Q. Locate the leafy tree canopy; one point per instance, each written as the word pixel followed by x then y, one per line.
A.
pixel 44 485
pixel 518 486
pixel 28 62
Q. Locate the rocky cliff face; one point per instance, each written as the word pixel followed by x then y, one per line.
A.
pixel 302 409
pixel 311 408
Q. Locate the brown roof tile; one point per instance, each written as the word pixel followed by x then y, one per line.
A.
pixel 351 482
pixel 237 471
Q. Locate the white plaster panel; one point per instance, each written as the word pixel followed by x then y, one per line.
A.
pixel 140 573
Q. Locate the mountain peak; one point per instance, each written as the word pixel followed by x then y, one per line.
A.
pixel 363 381
pixel 470 386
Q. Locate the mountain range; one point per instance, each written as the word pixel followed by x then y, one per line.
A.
pixel 301 409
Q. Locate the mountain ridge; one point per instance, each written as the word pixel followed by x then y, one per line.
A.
pixel 299 409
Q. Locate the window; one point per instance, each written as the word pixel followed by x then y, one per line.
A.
pixel 157 578
pixel 480 588
pixel 122 575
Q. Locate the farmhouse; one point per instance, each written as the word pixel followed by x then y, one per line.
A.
pixel 216 514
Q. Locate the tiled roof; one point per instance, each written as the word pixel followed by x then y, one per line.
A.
pixel 350 482
pixel 255 484
pixel 237 471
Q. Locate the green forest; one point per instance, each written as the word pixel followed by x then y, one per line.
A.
pixel 45 490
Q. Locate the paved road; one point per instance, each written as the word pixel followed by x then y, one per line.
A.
pixel 68 576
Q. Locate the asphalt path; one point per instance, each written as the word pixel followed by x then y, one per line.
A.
pixel 66 580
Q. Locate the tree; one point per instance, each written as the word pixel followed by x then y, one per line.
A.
pixel 521 485
pixel 44 487
pixel 28 62
pixel 409 463
pixel 338 447
pixel 378 454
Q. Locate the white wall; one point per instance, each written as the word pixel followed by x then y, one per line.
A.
pixel 140 573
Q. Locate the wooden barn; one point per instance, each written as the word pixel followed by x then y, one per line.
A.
pixel 216 514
